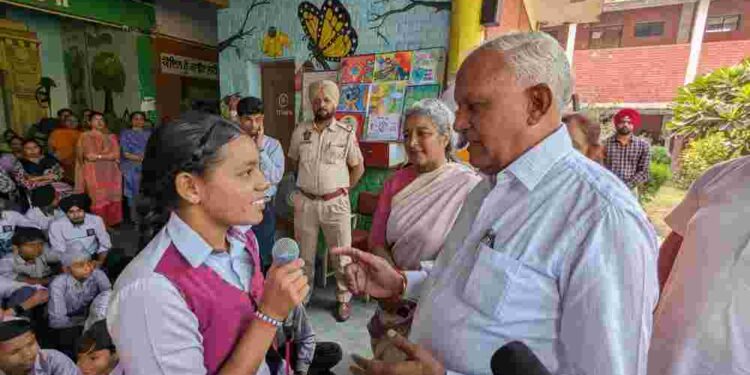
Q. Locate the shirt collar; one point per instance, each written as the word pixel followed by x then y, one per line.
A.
pixel 193 247
pixel 534 164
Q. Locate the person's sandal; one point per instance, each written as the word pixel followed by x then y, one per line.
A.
pixel 343 311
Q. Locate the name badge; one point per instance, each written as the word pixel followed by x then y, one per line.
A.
pixel 7 228
pixel 90 232
pixel 306 135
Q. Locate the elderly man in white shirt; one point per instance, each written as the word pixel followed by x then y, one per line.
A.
pixel 702 323
pixel 551 249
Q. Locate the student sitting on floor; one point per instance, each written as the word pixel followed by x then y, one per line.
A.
pixel 20 353
pixel 80 227
pixel 44 202
pixel 9 220
pixel 96 353
pixel 31 262
pixel 18 298
pixel 71 294
pixel 294 350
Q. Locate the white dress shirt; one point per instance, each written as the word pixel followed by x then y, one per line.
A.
pixel 92 234
pixel 559 256
pixel 702 323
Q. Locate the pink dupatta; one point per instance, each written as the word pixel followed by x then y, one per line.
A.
pixel 423 213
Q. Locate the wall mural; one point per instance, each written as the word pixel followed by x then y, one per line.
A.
pixel 101 67
pixel 108 75
pixel 274 42
pixel 378 20
pixel 328 30
pixel 243 32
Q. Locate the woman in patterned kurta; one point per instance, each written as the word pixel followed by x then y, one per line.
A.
pixel 133 145
pixel 35 169
pixel 98 170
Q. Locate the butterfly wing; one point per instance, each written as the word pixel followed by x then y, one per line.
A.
pixel 309 16
pixel 336 37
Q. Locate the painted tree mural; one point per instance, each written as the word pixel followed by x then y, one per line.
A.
pixel 108 75
pixel 377 20
pixel 243 32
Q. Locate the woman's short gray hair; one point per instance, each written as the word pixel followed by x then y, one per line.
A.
pixel 437 111
pixel 536 57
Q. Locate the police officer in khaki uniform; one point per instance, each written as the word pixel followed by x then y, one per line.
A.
pixel 329 163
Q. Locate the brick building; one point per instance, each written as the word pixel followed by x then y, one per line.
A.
pixel 637 55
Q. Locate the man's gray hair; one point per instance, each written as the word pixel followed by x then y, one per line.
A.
pixel 535 57
pixel 437 111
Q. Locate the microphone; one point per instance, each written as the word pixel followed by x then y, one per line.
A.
pixel 285 250
pixel 515 358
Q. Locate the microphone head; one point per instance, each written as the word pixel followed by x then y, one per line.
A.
pixel 515 358
pixel 285 250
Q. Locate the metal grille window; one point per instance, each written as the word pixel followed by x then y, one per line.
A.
pixel 649 29
pixel 720 24
pixel 605 37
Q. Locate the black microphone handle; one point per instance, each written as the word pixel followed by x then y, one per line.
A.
pixel 515 358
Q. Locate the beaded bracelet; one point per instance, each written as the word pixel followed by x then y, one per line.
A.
pixel 267 319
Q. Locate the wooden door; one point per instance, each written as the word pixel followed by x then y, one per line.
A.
pixel 278 100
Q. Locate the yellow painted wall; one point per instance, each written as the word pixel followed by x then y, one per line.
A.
pixel 466 32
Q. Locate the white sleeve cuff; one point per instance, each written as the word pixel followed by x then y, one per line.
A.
pixel 414 282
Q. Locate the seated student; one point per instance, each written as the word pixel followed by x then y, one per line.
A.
pixel 9 220
pixel 71 294
pixel 20 353
pixel 96 353
pixel 43 211
pixel 78 226
pixel 17 299
pixel 295 343
pixel 30 262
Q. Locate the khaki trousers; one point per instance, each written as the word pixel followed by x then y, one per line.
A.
pixel 334 217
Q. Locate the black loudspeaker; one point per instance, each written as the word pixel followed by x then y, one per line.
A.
pixel 491 10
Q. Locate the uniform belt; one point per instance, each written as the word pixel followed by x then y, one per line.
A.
pixel 325 197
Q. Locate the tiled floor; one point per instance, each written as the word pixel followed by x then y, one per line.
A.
pixel 351 335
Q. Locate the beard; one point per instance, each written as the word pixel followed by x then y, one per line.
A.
pixel 323 115
pixel 76 221
pixel 623 131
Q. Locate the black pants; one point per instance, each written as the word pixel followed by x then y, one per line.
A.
pixel 327 355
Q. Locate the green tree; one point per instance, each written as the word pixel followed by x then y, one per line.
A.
pixel 718 102
pixel 108 75
pixel 714 112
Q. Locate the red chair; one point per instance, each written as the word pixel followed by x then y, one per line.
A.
pixel 366 204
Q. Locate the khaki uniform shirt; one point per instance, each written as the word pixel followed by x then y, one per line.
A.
pixel 324 157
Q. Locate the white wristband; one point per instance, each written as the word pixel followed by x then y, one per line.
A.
pixel 268 319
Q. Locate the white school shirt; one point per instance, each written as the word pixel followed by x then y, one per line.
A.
pixel 42 221
pixel 92 234
pixel 702 323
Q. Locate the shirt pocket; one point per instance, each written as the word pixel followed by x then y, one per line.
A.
pixel 490 280
pixel 306 152
pixel 334 154
pixel 509 290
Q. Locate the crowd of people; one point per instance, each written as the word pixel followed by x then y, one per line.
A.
pixel 539 239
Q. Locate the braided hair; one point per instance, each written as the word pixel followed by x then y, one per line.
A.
pixel 191 144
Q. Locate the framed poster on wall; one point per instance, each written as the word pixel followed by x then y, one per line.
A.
pixel 428 66
pixel 307 79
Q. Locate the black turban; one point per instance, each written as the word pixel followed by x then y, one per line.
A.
pixel 81 201
pixel 11 329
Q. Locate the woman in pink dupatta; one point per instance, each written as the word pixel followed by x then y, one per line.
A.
pixel 416 210
pixel 98 170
